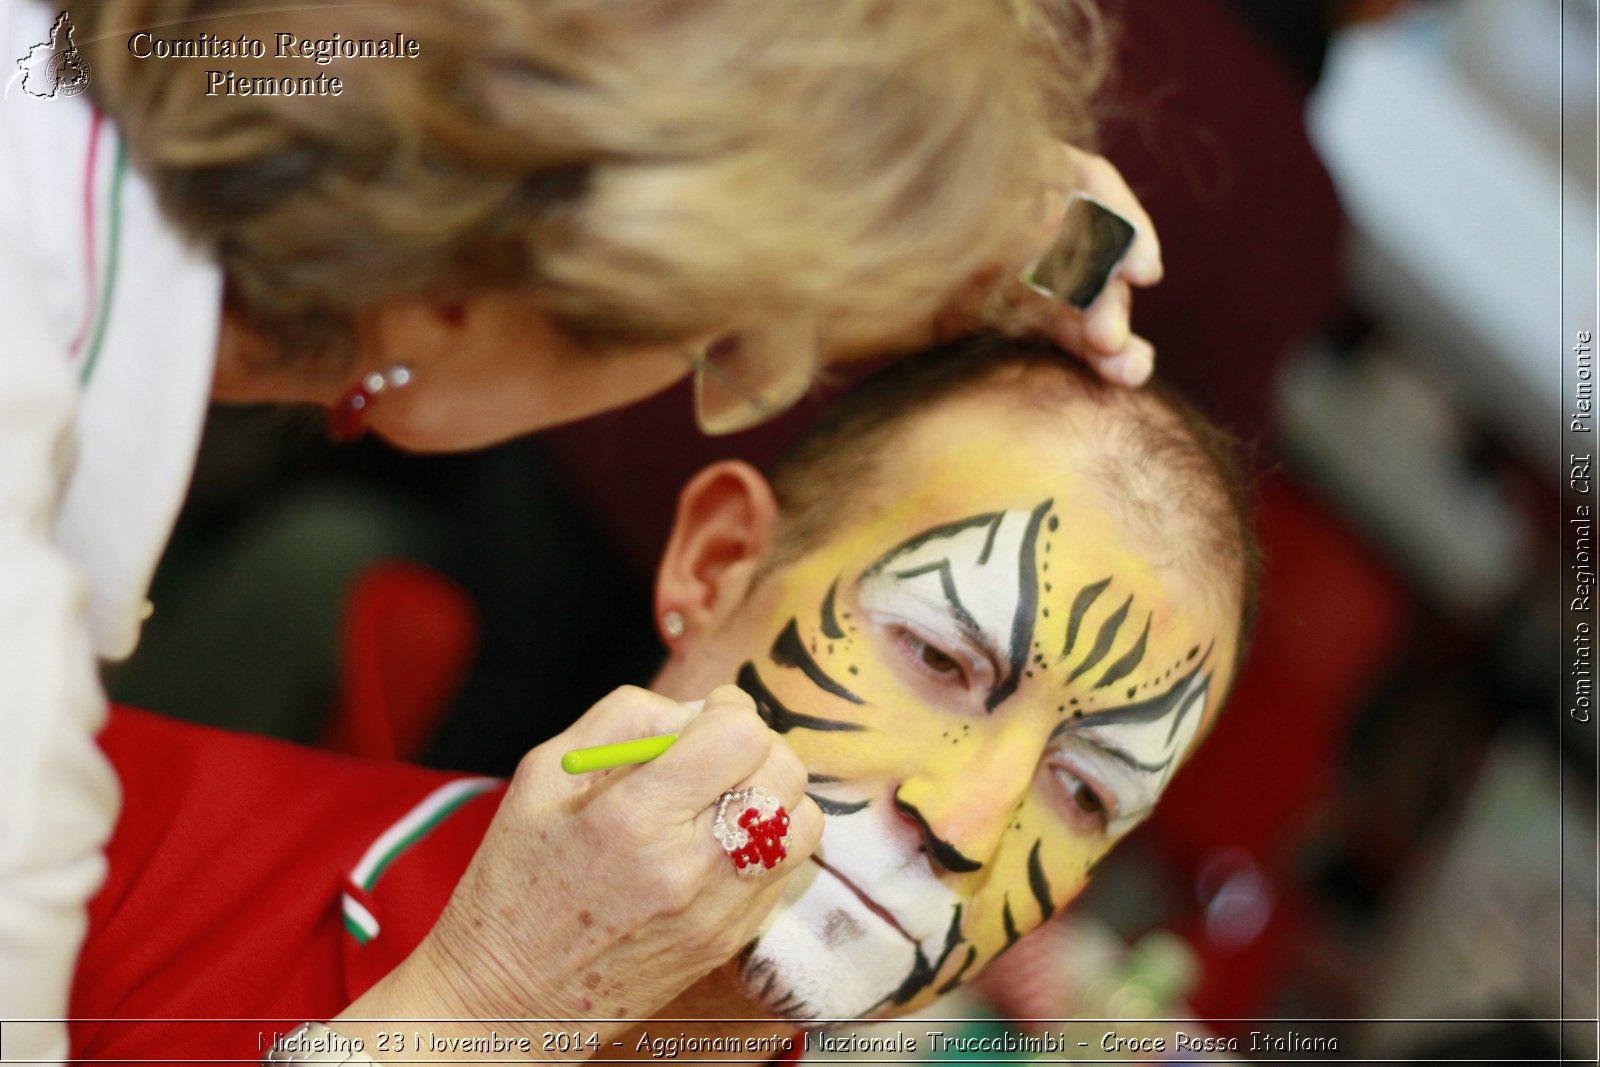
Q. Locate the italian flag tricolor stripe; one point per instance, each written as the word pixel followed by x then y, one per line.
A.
pixel 411 828
pixel 417 822
pixel 108 278
pixel 101 271
pixel 359 923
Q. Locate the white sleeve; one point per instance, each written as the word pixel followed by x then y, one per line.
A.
pixel 58 794
pixel 104 376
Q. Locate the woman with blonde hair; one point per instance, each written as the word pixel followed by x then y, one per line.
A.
pixel 455 222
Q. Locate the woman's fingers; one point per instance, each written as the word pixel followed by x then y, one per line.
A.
pixel 1132 366
pixel 724 747
pixel 1106 321
pixel 753 892
pixel 603 896
pixel 1102 335
pixel 1096 175
pixel 626 714
pixel 1098 337
pixel 728 748
pixel 719 748
pixel 781 776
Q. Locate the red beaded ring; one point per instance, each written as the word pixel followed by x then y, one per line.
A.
pixel 347 420
pixel 758 838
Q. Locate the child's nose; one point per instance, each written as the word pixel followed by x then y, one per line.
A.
pixel 962 807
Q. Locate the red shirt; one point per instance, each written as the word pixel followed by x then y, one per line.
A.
pixel 254 885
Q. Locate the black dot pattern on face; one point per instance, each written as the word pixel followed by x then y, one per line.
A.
pixel 852 669
pixel 1193 652
pixel 1132 689
pixel 1054 524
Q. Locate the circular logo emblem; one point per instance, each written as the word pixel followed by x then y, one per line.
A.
pixel 69 73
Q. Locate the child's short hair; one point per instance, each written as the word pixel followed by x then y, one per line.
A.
pixel 1172 477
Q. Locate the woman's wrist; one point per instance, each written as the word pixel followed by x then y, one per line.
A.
pixel 416 993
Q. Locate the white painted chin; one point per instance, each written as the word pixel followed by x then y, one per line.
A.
pixel 825 955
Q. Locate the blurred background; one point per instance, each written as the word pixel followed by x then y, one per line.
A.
pixel 1364 207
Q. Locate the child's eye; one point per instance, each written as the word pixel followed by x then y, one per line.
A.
pixel 1087 801
pixel 938 661
pixel 932 659
pixel 1088 809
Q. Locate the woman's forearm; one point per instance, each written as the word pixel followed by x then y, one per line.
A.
pixel 58 796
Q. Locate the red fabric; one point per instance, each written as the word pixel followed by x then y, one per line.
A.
pixel 1273 755
pixel 1276 745
pixel 408 636
pixel 223 897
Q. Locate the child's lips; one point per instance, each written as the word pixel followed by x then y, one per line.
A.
pixel 871 905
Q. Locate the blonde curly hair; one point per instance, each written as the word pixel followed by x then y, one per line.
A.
pixel 646 170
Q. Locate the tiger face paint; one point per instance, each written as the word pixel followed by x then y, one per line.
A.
pixel 989 685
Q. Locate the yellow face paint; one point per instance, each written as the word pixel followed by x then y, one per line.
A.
pixel 989 687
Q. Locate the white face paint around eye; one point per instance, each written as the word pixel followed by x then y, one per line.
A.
pixel 952 692
pixel 972 585
pixel 1131 753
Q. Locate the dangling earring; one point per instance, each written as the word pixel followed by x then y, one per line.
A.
pixel 672 625
pixel 347 420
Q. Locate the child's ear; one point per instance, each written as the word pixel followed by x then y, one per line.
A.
pixel 727 518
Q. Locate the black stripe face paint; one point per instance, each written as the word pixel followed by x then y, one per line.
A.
pixel 1081 604
pixel 1129 662
pixel 1022 619
pixel 779 717
pixel 961 972
pixel 789 651
pixel 1133 749
pixel 975 580
pixel 943 853
pixel 830 617
pixel 1039 883
pixel 987 525
pixel 1013 935
pixel 1103 641
pixel 836 807
pixel 983 704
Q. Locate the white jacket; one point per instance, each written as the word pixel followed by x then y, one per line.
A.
pixel 108 328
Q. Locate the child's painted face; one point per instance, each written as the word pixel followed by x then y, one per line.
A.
pixel 989 688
